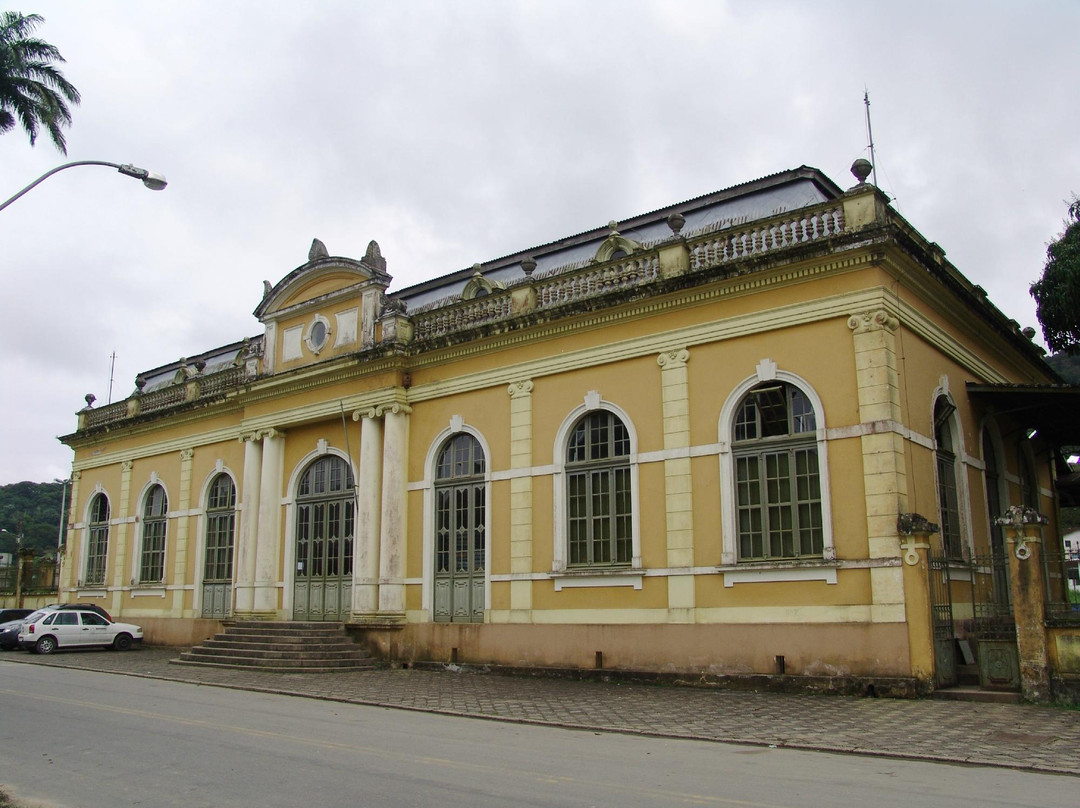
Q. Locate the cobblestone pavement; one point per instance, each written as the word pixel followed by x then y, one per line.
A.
pixel 1016 736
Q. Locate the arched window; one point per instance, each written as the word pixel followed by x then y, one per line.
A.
pixel 999 594
pixel 948 497
pixel 460 530
pixel 994 511
pixel 97 544
pixel 152 563
pixel 220 529
pixel 599 496
pixel 1029 485
pixel 325 508
pixel 777 477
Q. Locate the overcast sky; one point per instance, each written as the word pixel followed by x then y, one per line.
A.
pixel 457 132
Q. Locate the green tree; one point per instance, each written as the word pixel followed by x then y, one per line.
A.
pixel 33 91
pixel 35 508
pixel 1057 293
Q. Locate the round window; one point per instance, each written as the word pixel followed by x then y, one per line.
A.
pixel 317 335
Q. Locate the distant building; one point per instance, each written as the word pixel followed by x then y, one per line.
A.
pixel 692 441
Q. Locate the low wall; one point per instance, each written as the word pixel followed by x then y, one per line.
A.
pixel 835 651
pixel 1063 647
pixel 175 632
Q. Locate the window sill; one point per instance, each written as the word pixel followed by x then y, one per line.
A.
pixel 578 579
pixel 91 591
pixel 778 571
pixel 148 591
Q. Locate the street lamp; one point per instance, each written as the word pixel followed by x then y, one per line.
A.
pixel 151 179
pixel 18 565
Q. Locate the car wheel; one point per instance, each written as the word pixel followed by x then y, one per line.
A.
pixel 46 645
pixel 122 642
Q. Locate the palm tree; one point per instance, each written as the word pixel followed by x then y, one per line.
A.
pixel 32 89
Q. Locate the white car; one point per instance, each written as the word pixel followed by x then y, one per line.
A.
pixel 46 630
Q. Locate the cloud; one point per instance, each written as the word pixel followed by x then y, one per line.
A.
pixel 453 133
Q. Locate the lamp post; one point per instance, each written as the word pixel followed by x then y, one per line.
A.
pixel 151 179
pixel 18 565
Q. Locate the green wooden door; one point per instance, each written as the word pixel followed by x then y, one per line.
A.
pixel 325 507
pixel 460 532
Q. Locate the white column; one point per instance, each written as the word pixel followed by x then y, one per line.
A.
pixel 71 564
pixel 123 527
pixel 183 527
pixel 268 546
pixel 365 594
pixel 247 535
pixel 521 502
pixel 678 483
pixel 392 533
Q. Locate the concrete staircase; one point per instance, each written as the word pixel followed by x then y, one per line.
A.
pixel 282 647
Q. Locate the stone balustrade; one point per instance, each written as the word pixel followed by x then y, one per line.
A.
pixel 554 289
pixel 204 387
pixel 729 244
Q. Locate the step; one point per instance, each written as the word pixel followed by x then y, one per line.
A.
pixel 285 648
pixel 228 665
pixel 256 630
pixel 978 694
pixel 270 653
pixel 299 643
pixel 968 675
pixel 261 645
pixel 287 661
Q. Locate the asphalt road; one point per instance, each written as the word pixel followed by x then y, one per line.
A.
pixel 82 739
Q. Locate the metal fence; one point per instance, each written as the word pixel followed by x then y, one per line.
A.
pixel 1062 587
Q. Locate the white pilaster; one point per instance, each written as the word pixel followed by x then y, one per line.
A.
pixel 268 545
pixel 182 529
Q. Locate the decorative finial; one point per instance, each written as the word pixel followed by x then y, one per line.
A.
pixel 676 221
pixel 528 264
pixel 613 226
pixel 89 398
pixel 476 271
pixel 318 250
pixel 861 168
pixel 373 257
pixel 266 289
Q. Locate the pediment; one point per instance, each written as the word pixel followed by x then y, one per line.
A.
pixel 323 279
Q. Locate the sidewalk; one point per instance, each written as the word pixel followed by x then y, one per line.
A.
pixel 1043 739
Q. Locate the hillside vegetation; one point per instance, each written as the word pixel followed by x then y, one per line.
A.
pixel 35 509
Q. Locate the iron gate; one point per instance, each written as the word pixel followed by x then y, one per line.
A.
pixel 942 616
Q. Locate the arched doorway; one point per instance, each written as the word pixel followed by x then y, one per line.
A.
pixel 218 559
pixel 460 531
pixel 325 505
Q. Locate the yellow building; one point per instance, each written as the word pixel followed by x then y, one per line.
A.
pixel 689 442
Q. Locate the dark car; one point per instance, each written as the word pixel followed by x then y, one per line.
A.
pixel 9 629
pixel 7 615
pixel 85 607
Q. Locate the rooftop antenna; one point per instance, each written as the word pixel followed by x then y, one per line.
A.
pixel 112 369
pixel 870 133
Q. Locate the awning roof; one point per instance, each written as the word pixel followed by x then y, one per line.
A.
pixel 1052 409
